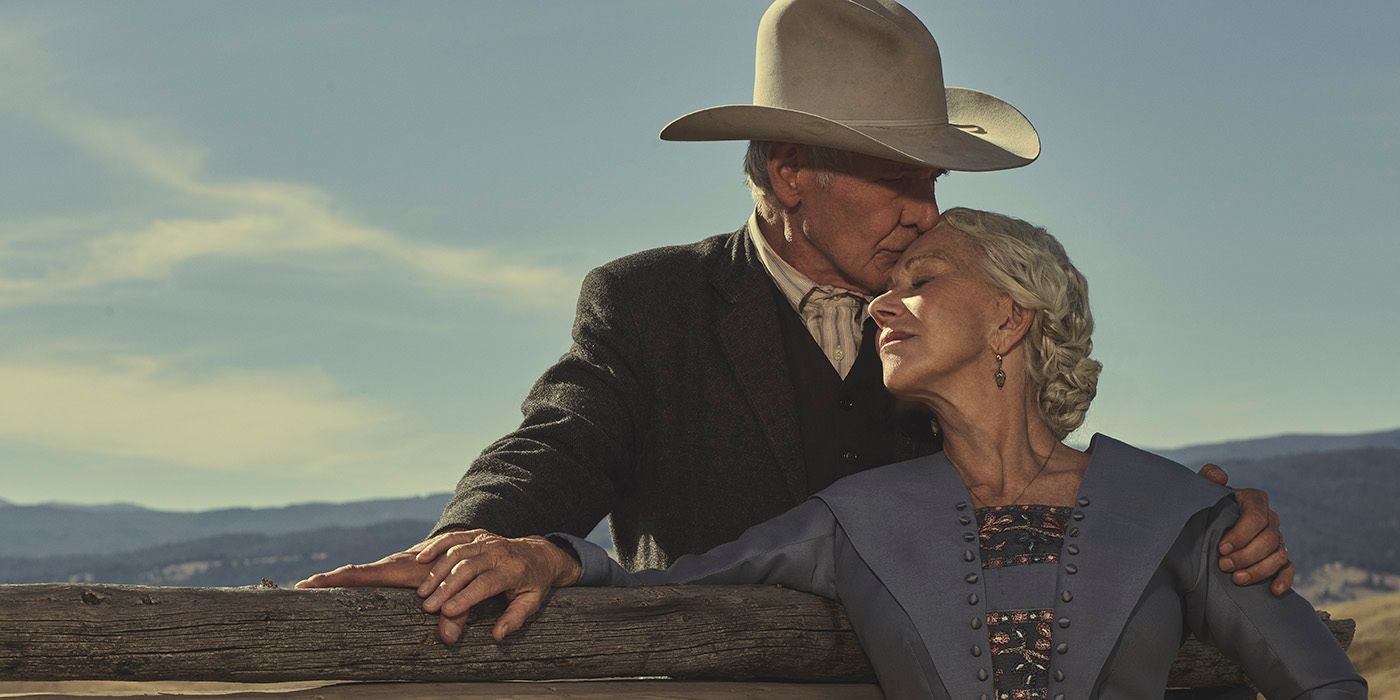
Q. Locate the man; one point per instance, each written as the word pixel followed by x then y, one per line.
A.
pixel 715 385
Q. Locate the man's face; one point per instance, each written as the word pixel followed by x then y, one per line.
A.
pixel 870 213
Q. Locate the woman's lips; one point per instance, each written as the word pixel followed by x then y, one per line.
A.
pixel 888 336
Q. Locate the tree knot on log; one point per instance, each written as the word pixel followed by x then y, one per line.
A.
pixel 93 598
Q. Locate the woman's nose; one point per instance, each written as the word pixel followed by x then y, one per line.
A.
pixel 884 308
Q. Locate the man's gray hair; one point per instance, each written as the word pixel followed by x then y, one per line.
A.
pixel 823 160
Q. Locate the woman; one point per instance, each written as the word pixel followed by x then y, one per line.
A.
pixel 1010 565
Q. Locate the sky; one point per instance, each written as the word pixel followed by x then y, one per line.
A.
pixel 262 253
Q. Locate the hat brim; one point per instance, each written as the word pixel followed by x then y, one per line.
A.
pixel 983 133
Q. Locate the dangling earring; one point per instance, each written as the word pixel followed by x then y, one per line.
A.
pixel 1000 376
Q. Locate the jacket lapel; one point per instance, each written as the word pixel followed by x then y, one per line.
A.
pixel 914 525
pixel 1131 508
pixel 747 330
pixel 906 521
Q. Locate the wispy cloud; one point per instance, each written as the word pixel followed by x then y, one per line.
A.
pixel 145 407
pixel 249 221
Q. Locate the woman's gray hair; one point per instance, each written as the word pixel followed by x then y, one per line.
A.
pixel 1029 265
pixel 823 160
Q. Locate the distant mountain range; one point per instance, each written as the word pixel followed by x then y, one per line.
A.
pixel 64 529
pixel 1337 496
pixel 1279 446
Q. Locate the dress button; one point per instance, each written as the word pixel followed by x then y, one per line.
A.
pixel 1071 569
pixel 977 623
pixel 851 457
pixel 1078 515
pixel 972 599
pixel 981 674
pixel 1067 596
pixel 970 578
pixel 1083 501
pixel 847 404
pixel 962 505
pixel 1059 676
pixel 968 555
pixel 968 537
pixel 1059 696
pixel 1061 647
pixel 964 520
pixel 976 650
pixel 1074 532
pixel 1064 622
pixel 1072 549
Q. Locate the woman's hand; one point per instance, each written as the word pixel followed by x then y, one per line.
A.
pixel 474 565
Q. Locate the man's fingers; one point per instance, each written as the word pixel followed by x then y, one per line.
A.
pixel 450 628
pixel 1283 583
pixel 437 545
pixel 1215 473
pixel 519 610
pixel 1263 569
pixel 385 572
pixel 482 587
pixel 1256 551
pixel 462 574
pixel 1254 518
pixel 444 566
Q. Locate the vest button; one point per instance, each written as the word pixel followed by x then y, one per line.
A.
pixel 851 457
pixel 847 404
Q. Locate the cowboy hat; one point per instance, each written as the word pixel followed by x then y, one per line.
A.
pixel 864 76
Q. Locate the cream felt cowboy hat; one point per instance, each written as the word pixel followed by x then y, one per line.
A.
pixel 864 76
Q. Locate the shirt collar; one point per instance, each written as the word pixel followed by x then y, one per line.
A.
pixel 794 285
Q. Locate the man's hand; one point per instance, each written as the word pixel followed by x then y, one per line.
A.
pixel 1253 549
pixel 469 567
pixel 398 570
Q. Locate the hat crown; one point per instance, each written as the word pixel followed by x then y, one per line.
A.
pixel 849 61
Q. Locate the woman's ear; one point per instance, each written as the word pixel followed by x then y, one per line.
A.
pixel 1014 324
pixel 784 165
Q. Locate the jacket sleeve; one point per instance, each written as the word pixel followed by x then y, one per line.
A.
pixel 795 549
pixel 1281 644
pixel 560 470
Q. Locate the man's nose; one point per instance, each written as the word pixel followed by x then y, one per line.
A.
pixel 920 212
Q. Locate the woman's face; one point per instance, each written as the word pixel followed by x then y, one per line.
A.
pixel 938 318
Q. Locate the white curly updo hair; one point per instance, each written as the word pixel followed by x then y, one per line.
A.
pixel 1030 266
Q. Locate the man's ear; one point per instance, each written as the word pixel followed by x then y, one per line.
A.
pixel 1014 324
pixel 784 164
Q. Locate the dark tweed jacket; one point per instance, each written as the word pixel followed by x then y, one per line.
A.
pixel 673 410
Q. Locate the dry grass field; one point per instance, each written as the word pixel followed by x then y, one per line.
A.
pixel 1376 650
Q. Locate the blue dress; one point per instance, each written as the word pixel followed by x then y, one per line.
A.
pixel 1089 601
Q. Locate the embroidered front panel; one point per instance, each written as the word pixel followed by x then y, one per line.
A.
pixel 1021 534
pixel 1020 640
pixel 1020 646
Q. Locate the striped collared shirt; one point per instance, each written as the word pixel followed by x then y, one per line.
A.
pixel 835 317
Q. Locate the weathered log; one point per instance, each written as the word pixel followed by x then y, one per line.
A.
pixel 734 633
pixel 61 631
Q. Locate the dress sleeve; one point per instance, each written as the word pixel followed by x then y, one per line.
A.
pixel 795 549
pixel 1281 644
pixel 560 470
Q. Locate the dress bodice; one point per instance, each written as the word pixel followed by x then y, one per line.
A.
pixel 1020 547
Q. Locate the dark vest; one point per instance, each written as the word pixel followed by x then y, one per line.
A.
pixel 847 425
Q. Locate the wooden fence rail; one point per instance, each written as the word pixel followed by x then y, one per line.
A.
pixel 733 633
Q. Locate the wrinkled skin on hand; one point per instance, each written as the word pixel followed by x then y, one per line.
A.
pixel 457 570
pixel 1253 549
